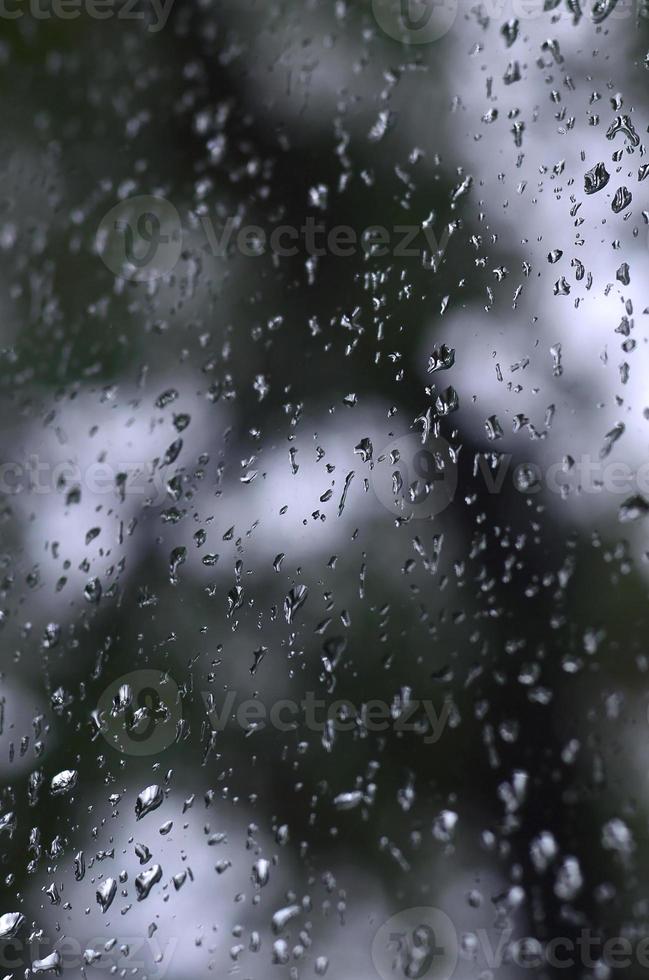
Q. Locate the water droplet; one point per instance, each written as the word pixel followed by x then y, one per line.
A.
pixel 145 881
pixel 596 178
pixel 106 893
pixel 148 801
pixel 63 782
pixel 10 923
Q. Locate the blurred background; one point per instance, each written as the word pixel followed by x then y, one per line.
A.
pixel 198 482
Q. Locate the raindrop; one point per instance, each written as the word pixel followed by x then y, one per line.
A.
pixel 148 801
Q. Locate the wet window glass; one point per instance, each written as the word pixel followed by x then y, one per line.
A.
pixel 324 489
